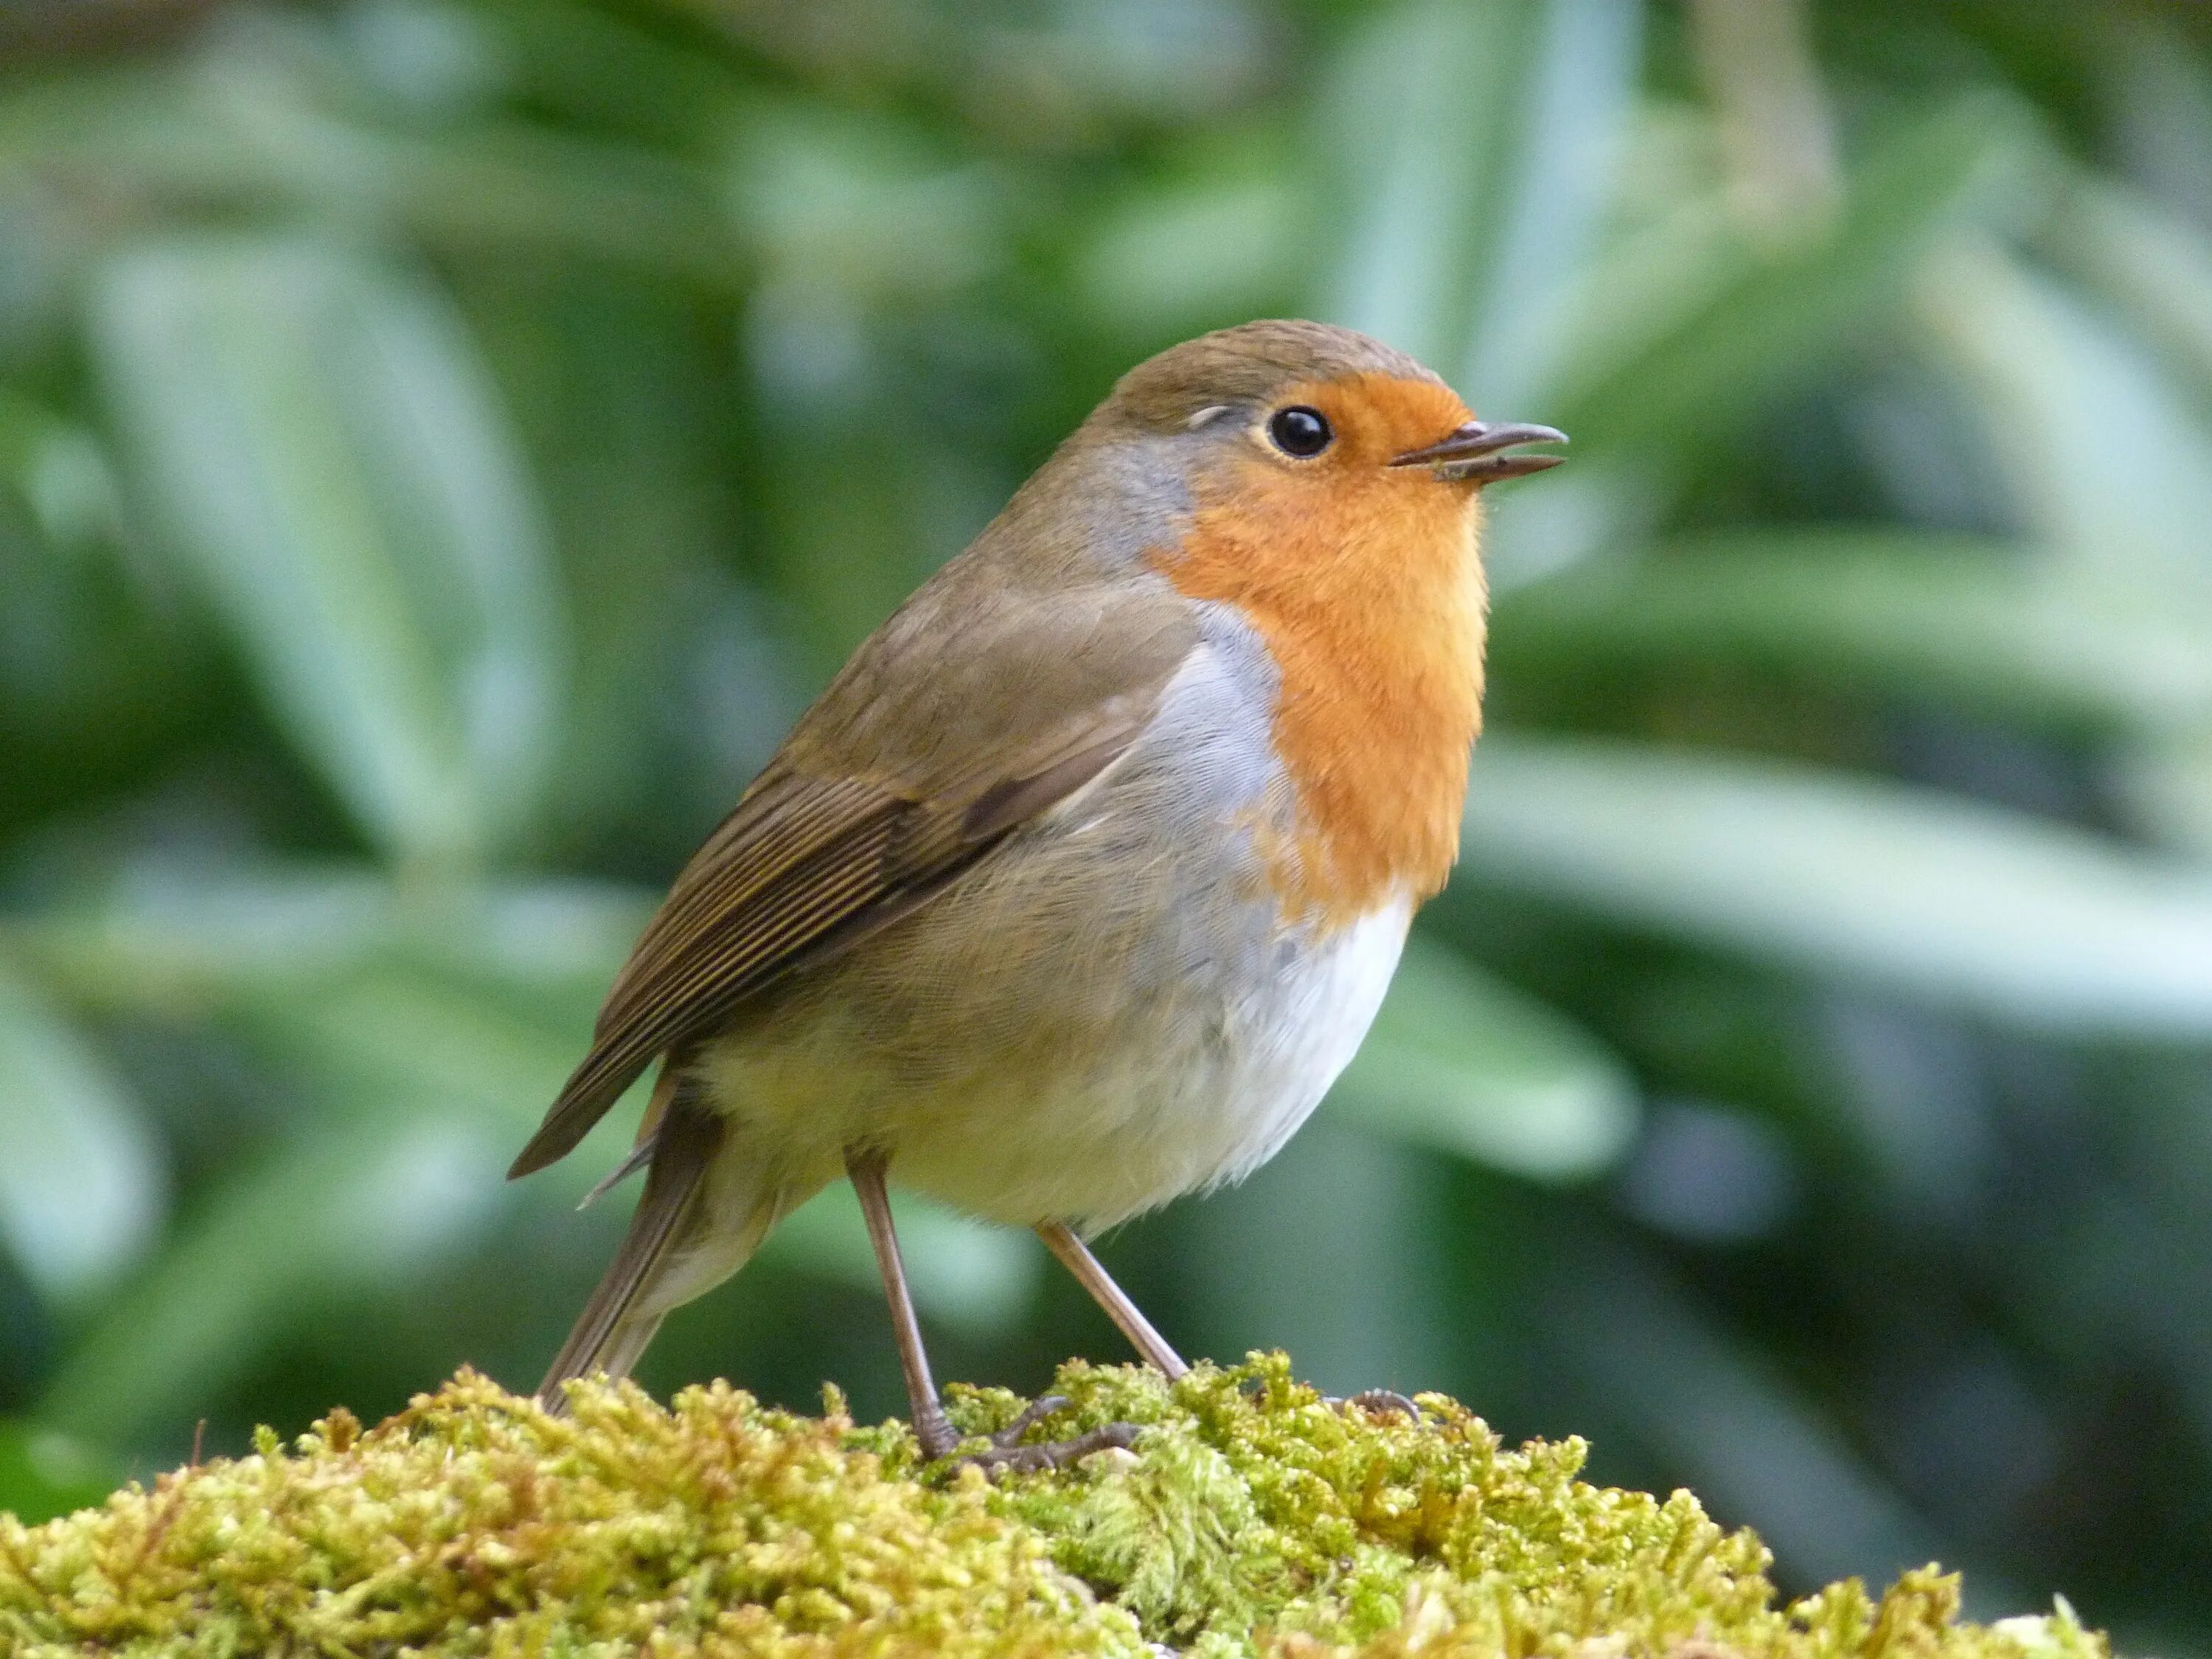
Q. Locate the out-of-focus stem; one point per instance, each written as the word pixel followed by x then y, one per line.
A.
pixel 1777 134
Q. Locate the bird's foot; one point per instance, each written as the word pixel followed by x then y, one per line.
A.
pixel 940 1440
pixel 1377 1402
pixel 1054 1454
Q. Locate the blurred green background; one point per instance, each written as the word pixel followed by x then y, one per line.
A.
pixel 443 443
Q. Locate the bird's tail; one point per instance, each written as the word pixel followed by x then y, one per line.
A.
pixel 688 1235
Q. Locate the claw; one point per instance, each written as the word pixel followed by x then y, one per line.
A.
pixel 1058 1454
pixel 1382 1399
pixel 1006 1451
pixel 1032 1414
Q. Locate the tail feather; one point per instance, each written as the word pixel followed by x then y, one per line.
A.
pixel 613 1330
pixel 640 1156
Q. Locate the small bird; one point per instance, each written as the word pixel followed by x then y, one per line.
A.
pixel 1085 878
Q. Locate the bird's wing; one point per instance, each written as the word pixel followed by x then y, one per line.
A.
pixel 966 715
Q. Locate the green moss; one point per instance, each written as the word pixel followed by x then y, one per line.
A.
pixel 1252 1516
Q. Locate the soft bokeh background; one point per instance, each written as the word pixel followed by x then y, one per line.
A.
pixel 444 442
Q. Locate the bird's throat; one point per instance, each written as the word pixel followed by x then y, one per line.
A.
pixel 1371 602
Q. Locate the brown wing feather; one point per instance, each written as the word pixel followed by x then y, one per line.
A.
pixel 732 921
pixel 608 1335
pixel 809 863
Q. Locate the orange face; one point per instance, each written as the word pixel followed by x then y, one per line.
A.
pixel 1363 581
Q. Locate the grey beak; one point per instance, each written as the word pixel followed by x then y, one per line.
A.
pixel 1477 450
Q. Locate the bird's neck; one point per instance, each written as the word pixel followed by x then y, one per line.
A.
pixel 1375 624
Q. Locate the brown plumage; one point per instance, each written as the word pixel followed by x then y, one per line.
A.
pixel 859 819
pixel 1081 881
pixel 1363 583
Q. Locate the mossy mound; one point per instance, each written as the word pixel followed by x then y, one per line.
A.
pixel 1252 1517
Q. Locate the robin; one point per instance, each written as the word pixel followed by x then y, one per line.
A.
pixel 1083 880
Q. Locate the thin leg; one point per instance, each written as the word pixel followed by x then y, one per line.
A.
pixel 930 1427
pixel 1076 1257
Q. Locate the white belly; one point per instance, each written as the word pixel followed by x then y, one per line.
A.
pixel 1175 1110
pixel 1175 1095
pixel 1041 1044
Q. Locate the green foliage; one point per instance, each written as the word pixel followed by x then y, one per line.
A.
pixel 2027 921
pixel 1252 1516
pixel 1462 1062
pixel 443 443
pixel 316 432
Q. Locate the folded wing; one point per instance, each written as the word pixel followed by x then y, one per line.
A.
pixel 862 816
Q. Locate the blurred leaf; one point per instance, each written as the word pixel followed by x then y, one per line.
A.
pixel 43 1473
pixel 80 1182
pixel 2124 1271
pixel 343 1203
pixel 185 939
pixel 971 1275
pixel 1459 1062
pixel 1639 1348
pixel 1417 119
pixel 88 669
pixel 1888 611
pixel 2155 265
pixel 1339 1249
pixel 1685 378
pixel 427 1044
pixel 264 115
pixel 1225 237
pixel 1475 145
pixel 1029 77
pixel 421 1092
pixel 630 426
pixel 2156 90
pixel 2107 458
pixel 2165 786
pixel 857 208
pixel 1579 89
pixel 862 222
pixel 208 941
pixel 556 946
pixel 61 473
pixel 317 431
pixel 604 71
pixel 2013 917
pixel 394 1044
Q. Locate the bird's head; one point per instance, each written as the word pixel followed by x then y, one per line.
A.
pixel 1297 425
pixel 1303 461
pixel 1326 489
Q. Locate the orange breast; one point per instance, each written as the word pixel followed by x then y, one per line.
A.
pixel 1366 586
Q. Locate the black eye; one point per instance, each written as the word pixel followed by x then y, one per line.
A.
pixel 1300 431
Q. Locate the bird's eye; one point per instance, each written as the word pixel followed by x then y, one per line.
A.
pixel 1300 431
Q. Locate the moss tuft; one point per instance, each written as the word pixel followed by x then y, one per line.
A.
pixel 1251 1517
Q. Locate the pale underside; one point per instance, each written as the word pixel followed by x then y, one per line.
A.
pixel 1029 910
pixel 1038 1044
